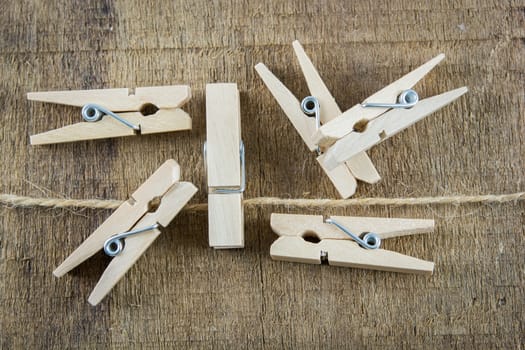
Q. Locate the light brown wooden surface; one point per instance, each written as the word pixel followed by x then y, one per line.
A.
pixel 182 293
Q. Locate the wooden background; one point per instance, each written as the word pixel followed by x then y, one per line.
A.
pixel 182 293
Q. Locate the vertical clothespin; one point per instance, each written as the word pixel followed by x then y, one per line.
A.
pixel 224 157
pixel 133 227
pixel 341 139
pixel 117 112
pixel 346 241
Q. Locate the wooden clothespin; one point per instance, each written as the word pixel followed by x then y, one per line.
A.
pixel 341 139
pixel 224 157
pixel 311 239
pixel 381 116
pixel 148 110
pixel 133 227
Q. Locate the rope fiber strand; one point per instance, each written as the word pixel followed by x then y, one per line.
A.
pixel 14 201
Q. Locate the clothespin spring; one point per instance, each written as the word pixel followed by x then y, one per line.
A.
pixel 114 245
pixel 407 99
pixel 369 240
pixel 311 107
pixel 93 113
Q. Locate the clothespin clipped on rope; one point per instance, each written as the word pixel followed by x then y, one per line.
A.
pixel 225 166
pixel 133 227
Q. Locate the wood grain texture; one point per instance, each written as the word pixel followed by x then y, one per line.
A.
pixel 183 293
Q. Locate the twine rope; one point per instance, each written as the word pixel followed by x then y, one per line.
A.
pixel 15 201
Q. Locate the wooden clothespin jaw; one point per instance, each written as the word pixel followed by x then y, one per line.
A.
pixel 341 139
pixel 225 166
pixel 311 239
pixel 133 227
pixel 117 112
